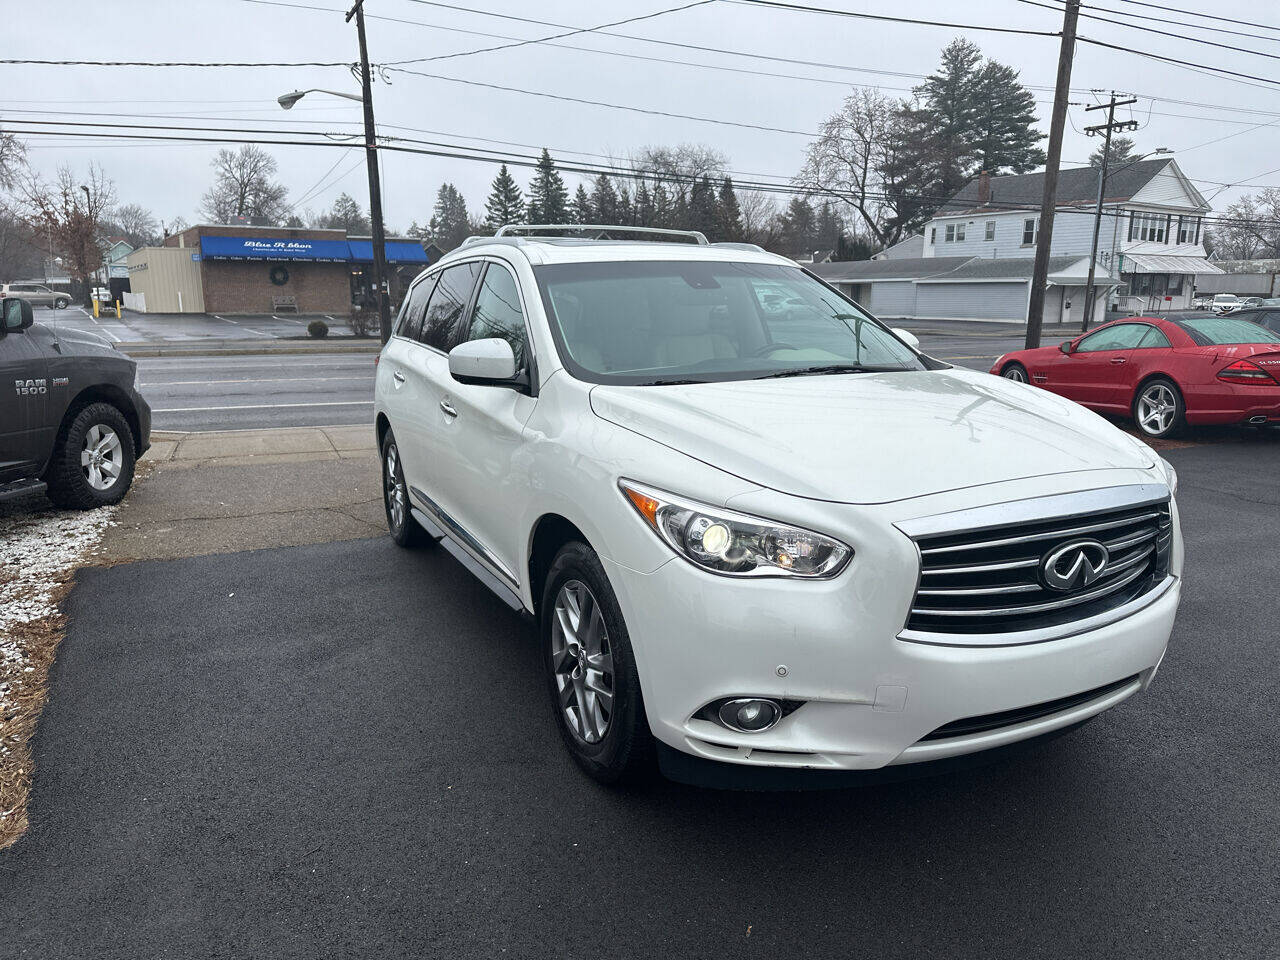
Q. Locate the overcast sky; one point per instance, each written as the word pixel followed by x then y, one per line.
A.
pixel 169 178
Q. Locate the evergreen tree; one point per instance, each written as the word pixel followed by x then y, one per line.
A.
pixel 604 201
pixel 703 213
pixel 626 210
pixel 1004 116
pixel 505 204
pixel 548 196
pixel 829 229
pixel 729 214
pixel 580 208
pixel 1121 152
pixel 643 207
pixel 798 228
pixel 661 206
pixel 949 149
pixel 450 222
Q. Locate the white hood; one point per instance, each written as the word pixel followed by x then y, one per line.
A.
pixel 873 437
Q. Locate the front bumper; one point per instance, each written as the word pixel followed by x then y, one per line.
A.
pixel 870 698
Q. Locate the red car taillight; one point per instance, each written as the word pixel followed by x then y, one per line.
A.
pixel 1243 371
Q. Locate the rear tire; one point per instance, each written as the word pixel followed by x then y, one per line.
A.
pixel 591 672
pixel 1015 372
pixel 404 530
pixel 93 459
pixel 1158 409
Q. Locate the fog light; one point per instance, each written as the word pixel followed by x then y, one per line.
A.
pixel 750 716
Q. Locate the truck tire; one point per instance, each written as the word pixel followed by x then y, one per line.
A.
pixel 93 459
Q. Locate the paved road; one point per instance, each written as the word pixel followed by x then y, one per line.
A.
pixel 345 750
pixel 248 392
pixel 184 328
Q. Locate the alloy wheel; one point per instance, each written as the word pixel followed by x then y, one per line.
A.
pixel 582 661
pixel 1016 374
pixel 1157 408
pixel 101 457
pixel 394 489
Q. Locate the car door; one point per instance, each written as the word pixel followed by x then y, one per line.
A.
pixel 400 383
pixel 1093 373
pixel 24 400
pixel 428 416
pixel 480 459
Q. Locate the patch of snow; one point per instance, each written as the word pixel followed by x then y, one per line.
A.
pixel 38 552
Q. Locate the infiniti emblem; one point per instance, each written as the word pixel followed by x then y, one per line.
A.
pixel 1074 565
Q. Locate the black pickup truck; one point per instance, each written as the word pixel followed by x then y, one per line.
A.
pixel 72 422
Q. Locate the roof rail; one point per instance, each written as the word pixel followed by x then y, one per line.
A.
pixel 539 229
pixel 735 245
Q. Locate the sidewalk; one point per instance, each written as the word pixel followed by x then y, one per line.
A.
pixel 201 493
pixel 213 347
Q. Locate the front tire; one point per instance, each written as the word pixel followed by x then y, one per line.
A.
pixel 1015 372
pixel 93 459
pixel 1158 409
pixel 404 530
pixel 61 303
pixel 591 672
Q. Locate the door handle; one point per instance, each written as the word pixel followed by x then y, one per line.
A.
pixel 447 409
pixel 1117 360
pixel 397 376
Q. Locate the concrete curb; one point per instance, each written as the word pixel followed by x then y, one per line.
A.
pixel 275 445
pixel 240 348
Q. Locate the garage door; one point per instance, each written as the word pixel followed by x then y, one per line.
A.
pixel 973 301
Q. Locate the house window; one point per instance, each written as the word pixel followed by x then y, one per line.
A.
pixel 951 233
pixel 1151 227
pixel 1029 231
pixel 959 232
pixel 991 230
pixel 933 235
pixel 1188 229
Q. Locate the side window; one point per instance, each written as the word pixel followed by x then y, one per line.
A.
pixel 1153 338
pixel 447 302
pixel 409 324
pixel 498 313
pixel 1124 336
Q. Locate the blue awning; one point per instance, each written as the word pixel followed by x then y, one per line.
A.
pixel 274 248
pixel 398 251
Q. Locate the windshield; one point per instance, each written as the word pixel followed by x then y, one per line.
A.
pixel 662 322
pixel 1212 331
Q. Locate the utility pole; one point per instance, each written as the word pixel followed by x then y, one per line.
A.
pixel 375 183
pixel 1062 91
pixel 1106 129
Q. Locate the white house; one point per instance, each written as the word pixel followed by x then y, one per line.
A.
pixel 982 247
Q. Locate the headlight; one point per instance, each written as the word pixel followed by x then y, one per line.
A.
pixel 735 544
pixel 1170 474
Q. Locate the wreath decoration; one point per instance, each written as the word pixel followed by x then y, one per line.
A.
pixel 279 275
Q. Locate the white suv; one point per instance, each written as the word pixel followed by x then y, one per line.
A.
pixel 764 536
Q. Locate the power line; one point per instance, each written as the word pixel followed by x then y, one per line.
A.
pixel 1180 23
pixel 1205 16
pixel 1178 63
pixel 829 11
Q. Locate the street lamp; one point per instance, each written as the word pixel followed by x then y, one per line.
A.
pixel 93 228
pixel 1097 223
pixel 286 102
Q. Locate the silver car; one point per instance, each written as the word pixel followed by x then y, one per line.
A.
pixel 37 294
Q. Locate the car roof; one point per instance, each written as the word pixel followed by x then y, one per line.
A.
pixel 547 250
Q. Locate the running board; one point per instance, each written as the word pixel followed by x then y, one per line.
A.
pixel 477 569
pixel 22 488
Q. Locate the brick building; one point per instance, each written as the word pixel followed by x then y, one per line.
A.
pixel 246 269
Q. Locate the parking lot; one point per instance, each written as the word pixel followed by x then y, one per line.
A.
pixel 345 749
pixel 184 328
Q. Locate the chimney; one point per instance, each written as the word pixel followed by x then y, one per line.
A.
pixel 984 188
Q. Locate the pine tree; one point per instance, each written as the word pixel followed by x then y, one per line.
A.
pixel 729 214
pixel 661 207
pixel 643 207
pixel 548 196
pixel 703 213
pixel 505 204
pixel 604 201
pixel 626 210
pixel 450 222
pixel 580 208
pixel 829 230
pixel 798 227
pixel 1122 151
pixel 1004 116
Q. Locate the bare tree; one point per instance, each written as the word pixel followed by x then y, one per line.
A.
pixel 759 213
pixel 134 222
pixel 69 211
pixel 243 187
pixel 1249 229
pixel 849 160
pixel 13 158
pixel 677 169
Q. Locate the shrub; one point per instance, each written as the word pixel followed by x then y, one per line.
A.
pixel 363 322
pixel 317 329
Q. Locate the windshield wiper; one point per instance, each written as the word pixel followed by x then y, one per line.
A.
pixel 669 383
pixel 819 370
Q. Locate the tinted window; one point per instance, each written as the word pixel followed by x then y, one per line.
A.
pixel 447 302
pixel 643 322
pixel 1124 336
pixel 1211 331
pixel 1153 338
pixel 409 323
pixel 497 312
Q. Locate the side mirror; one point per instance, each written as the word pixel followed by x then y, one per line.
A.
pixel 17 314
pixel 907 337
pixel 485 363
pixel 1065 346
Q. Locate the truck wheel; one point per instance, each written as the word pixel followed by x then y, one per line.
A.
pixel 591 672
pixel 93 459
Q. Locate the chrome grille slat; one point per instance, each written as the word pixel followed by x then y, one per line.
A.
pixel 988 579
pixel 1049 535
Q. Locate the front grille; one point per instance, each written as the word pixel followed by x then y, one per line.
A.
pixel 1008 718
pixel 991 580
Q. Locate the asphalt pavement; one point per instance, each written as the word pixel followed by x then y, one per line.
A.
pixel 346 750
pixel 185 328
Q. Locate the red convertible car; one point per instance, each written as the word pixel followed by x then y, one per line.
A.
pixel 1162 373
